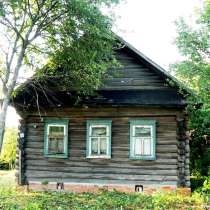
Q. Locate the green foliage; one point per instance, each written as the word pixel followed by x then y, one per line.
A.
pixel 17 199
pixel 200 134
pixel 8 154
pixel 75 38
pixel 202 186
pixel 196 182
pixel 103 200
pixel 206 186
pixel 81 48
pixel 193 43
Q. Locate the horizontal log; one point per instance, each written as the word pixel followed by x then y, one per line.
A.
pixel 164 167
pixel 103 181
pixel 106 112
pixel 166 160
pixel 81 144
pixel 107 170
pixel 119 119
pixel 139 166
pixel 60 175
pixel 162 148
pixel 116 124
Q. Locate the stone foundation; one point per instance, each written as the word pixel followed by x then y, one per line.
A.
pixel 94 188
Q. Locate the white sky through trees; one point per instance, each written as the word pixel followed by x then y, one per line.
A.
pixel 149 26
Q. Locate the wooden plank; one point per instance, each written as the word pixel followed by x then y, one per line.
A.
pixel 110 111
pixel 164 167
pixel 55 174
pixel 68 163
pixel 103 181
pixel 107 170
pixel 125 160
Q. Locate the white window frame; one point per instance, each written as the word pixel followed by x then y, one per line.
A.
pixel 144 124
pixel 96 124
pixel 56 123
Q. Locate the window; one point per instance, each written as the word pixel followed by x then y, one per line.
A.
pixel 142 139
pixel 56 138
pixel 99 139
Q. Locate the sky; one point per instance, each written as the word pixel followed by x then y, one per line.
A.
pixel 149 26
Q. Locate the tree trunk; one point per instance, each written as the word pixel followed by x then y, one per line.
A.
pixel 3 112
pixel 7 91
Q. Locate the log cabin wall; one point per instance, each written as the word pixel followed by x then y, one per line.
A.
pixel 117 170
pixel 138 89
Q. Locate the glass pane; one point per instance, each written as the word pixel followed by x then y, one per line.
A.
pixel 56 131
pixel 142 146
pixel 94 146
pixel 147 146
pixel 99 131
pixel 103 146
pixel 60 145
pixel 138 146
pixel 142 131
pixel 55 145
pixel 56 139
pixel 52 145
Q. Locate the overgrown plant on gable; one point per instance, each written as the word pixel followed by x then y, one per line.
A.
pixel 74 33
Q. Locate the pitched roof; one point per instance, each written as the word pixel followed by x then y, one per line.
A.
pixel 129 89
pixel 157 68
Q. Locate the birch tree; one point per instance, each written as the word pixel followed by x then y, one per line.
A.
pixel 29 27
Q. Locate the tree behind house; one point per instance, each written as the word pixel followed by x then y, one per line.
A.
pixel 193 43
pixel 54 30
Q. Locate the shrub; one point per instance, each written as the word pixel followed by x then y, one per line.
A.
pixel 103 200
pixel 197 182
pixel 206 186
pixel 8 154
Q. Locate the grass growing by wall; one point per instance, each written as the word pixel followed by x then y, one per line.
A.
pixel 13 198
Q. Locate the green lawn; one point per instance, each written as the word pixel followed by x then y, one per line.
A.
pixel 16 198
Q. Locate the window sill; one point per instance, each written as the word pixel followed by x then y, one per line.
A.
pixel 56 156
pixel 99 157
pixel 141 158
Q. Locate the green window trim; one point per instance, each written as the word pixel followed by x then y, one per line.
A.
pixel 142 122
pixel 62 122
pixel 88 136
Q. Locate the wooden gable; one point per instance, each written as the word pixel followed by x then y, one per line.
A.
pixel 133 74
pixel 138 81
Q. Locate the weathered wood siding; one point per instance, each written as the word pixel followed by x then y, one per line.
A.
pixel 133 75
pixel 118 169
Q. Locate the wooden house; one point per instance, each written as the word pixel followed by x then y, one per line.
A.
pixel 130 136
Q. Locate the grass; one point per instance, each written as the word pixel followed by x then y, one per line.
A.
pixel 17 199
pixel 7 178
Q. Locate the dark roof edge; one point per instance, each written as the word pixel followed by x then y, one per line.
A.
pixel 160 70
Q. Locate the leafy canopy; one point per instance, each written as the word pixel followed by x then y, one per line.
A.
pixel 193 43
pixel 72 38
pixel 82 49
